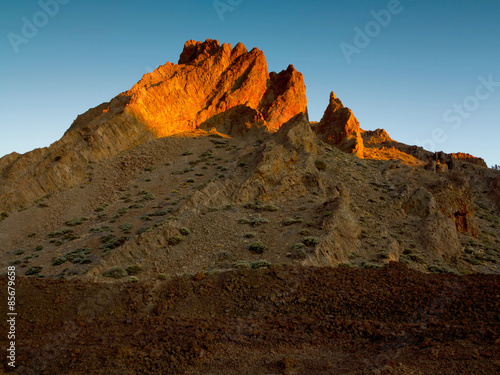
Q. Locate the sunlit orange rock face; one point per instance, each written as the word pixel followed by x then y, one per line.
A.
pixel 340 128
pixel 216 86
pixel 469 159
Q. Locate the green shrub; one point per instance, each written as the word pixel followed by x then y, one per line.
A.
pixel 101 208
pixel 249 235
pixel 175 240
pixel 133 279
pixel 134 269
pixel 256 221
pixel 146 195
pixel 104 228
pixel 116 272
pixel 310 241
pixel 370 265
pixel 142 230
pixel 290 221
pixel 125 227
pixel 297 253
pixel 19 252
pixel 75 222
pixel 162 212
pixel 33 271
pixel 320 164
pixel 149 169
pixel 163 276
pixel 111 242
pixel 298 245
pixel 185 231
pixel 79 256
pixel 56 261
pixel 39 248
pixel 305 232
pixel 437 269
pixel 257 247
pixel 260 264
pixel 121 211
pixel 242 265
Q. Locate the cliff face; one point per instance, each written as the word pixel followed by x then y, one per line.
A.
pixel 214 86
pixel 340 128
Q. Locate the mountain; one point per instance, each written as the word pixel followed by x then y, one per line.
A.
pixel 217 139
pixel 202 213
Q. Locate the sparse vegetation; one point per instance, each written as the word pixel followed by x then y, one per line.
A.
pixel 184 231
pixel 142 230
pixel 242 265
pixel 438 269
pixel 146 195
pixel 111 242
pixel 116 272
pixel 104 228
pixel 58 261
pixel 125 227
pixel 310 241
pixel 320 164
pixel 75 222
pixel 134 269
pixel 291 221
pixel 257 247
pixel 101 208
pixel 79 256
pixel 175 240
pixel 260 206
pixel 370 265
pixel 33 271
pixel 163 276
pixel 254 222
pixel 260 264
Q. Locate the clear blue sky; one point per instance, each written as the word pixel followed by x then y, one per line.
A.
pixel 406 77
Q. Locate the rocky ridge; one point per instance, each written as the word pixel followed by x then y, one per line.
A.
pixel 217 139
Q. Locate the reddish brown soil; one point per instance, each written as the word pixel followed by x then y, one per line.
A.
pixel 290 320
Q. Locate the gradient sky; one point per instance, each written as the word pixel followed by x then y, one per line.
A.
pixel 417 75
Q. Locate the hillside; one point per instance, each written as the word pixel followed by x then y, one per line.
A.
pixel 210 169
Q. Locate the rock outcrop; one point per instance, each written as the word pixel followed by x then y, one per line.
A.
pixel 216 86
pixel 213 86
pixel 339 127
pixel 494 192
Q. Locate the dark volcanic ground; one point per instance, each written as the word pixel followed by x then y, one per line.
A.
pixel 291 320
